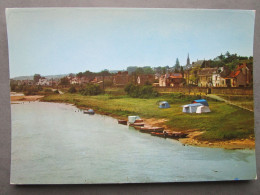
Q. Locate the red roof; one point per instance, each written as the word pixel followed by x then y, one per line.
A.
pixel 236 72
pixel 176 76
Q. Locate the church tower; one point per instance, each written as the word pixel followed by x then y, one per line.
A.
pixel 188 65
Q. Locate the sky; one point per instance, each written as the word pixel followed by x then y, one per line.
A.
pixel 52 41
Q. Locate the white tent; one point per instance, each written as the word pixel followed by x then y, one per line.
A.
pixel 202 109
pixel 195 108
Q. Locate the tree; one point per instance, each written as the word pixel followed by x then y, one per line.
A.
pixel 177 66
pixel 139 71
pixel 131 69
pixel 80 74
pixel 64 81
pixel 72 89
pixel 148 70
pixel 36 78
pixel 182 71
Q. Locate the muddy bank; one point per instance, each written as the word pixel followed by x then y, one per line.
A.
pixel 26 98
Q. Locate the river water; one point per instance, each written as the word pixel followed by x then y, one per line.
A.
pixel 57 144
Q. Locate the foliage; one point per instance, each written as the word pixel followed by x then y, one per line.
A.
pixel 47 90
pixel 72 89
pixel 177 66
pixel 134 70
pixel 91 89
pixel 138 91
pixel 64 81
pixel 36 78
pixel 30 90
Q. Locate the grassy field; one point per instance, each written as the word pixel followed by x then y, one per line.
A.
pixel 225 122
pixel 240 100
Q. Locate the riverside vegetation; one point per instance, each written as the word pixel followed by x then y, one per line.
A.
pixel 225 122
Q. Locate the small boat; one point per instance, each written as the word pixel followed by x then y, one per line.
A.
pixel 136 124
pixel 158 134
pixel 175 135
pixel 89 111
pixel 139 121
pixel 151 129
pixel 122 122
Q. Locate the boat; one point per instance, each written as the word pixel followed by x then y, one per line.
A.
pixel 122 122
pixel 174 134
pixel 158 134
pixel 136 124
pixel 89 111
pixel 151 129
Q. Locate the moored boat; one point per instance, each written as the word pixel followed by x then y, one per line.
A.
pixel 122 122
pixel 89 111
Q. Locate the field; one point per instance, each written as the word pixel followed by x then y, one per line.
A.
pixel 225 122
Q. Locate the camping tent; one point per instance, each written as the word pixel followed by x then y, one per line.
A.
pixel 202 109
pixel 164 104
pixel 191 108
pixel 202 101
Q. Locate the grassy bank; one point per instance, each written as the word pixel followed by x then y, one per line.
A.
pixel 225 122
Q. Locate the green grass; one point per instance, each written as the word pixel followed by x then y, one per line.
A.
pixel 225 122
pixel 245 101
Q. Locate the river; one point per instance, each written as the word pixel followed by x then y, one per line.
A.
pixel 56 143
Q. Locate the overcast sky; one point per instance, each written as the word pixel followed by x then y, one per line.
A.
pixel 52 41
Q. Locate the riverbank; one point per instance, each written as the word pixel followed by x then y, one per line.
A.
pixel 26 98
pixel 225 127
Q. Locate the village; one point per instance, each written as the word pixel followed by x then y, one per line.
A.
pixel 198 74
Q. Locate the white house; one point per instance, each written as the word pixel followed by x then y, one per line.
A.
pixel 217 80
pixel 43 82
pixel 162 80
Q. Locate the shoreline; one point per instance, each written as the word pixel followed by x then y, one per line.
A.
pixel 189 140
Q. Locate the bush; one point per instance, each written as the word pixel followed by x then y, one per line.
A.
pixel 47 90
pixel 137 91
pixel 72 89
pixel 91 89
pixel 30 90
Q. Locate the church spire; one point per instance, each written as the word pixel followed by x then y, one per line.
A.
pixel 188 60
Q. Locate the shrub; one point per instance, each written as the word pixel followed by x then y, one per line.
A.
pixel 47 90
pixel 137 91
pixel 72 89
pixel 91 89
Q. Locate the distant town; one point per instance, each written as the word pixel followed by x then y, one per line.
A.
pixel 229 70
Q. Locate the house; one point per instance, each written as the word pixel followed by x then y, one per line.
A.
pixel 84 80
pixel 162 80
pixel 145 79
pixel 53 82
pixel 25 82
pixel 198 63
pixel 74 80
pixel 121 78
pixel 205 76
pixel 240 77
pixel 218 77
pixel 43 82
pixel 175 80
